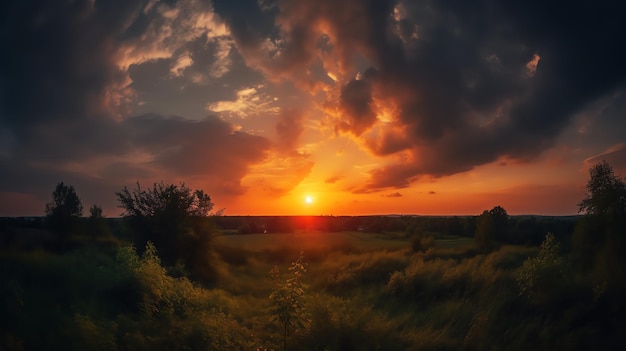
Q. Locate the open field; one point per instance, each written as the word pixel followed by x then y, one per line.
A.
pixel 314 240
pixel 411 290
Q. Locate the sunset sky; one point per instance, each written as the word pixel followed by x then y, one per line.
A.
pixel 363 107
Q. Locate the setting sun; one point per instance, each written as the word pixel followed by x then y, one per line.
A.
pixel 308 199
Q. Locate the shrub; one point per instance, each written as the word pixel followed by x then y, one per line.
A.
pixel 539 275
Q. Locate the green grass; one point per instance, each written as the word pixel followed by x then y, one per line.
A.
pixel 312 240
pixel 363 291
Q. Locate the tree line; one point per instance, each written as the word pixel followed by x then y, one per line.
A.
pixel 176 219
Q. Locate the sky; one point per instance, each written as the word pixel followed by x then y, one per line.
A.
pixel 313 107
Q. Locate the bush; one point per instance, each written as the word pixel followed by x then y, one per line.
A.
pixel 539 276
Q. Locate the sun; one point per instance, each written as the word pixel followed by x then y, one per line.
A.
pixel 308 199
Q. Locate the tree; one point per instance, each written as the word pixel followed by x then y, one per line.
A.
pixel 485 230
pixel 173 217
pixel 286 299
pixel 65 202
pixel 600 237
pixel 606 192
pixel 63 211
pixel 175 201
pixel 492 226
pixel 95 211
pixel 97 225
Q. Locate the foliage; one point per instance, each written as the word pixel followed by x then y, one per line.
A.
pixel 164 200
pixel 492 226
pixel 338 323
pixel 606 192
pixel 485 230
pixel 174 218
pixel 600 238
pixel 65 203
pixel 96 224
pixel 95 211
pixel 421 243
pixel 63 211
pixel 343 272
pixel 287 303
pixel 539 274
pixel 448 297
pixel 433 280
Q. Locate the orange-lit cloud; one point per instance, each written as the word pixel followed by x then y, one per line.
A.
pixel 334 179
pixel 250 101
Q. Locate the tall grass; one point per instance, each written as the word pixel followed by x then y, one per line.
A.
pixel 446 297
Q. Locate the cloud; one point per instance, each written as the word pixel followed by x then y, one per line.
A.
pixel 396 194
pixel 355 103
pixel 210 148
pixel 279 174
pixel 101 158
pixel 223 61
pixel 614 156
pixel 250 101
pixel 61 65
pixel 165 29
pixel 333 180
pixel 464 92
pixel 70 60
pixel 289 128
pixel 286 166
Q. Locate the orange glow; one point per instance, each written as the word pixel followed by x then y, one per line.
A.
pixel 331 188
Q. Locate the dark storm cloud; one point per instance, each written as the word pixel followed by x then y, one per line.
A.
pixel 208 147
pixel 65 95
pixel 355 102
pixel 470 82
pixel 101 158
pixel 59 58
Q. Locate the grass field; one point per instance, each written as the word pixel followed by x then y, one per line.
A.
pixel 313 240
pixel 362 291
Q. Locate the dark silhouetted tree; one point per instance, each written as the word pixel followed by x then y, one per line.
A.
pixel 501 223
pixel 95 211
pixel 96 224
pixel 485 230
pixel 63 212
pixel 600 237
pixel 174 218
pixel 606 192
pixel 491 226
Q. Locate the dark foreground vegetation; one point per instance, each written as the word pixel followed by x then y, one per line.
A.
pixel 172 276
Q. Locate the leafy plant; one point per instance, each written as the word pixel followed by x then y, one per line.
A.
pixel 174 218
pixel 540 273
pixel 63 212
pixel 287 303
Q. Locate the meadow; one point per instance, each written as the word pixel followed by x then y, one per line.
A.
pixel 361 290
